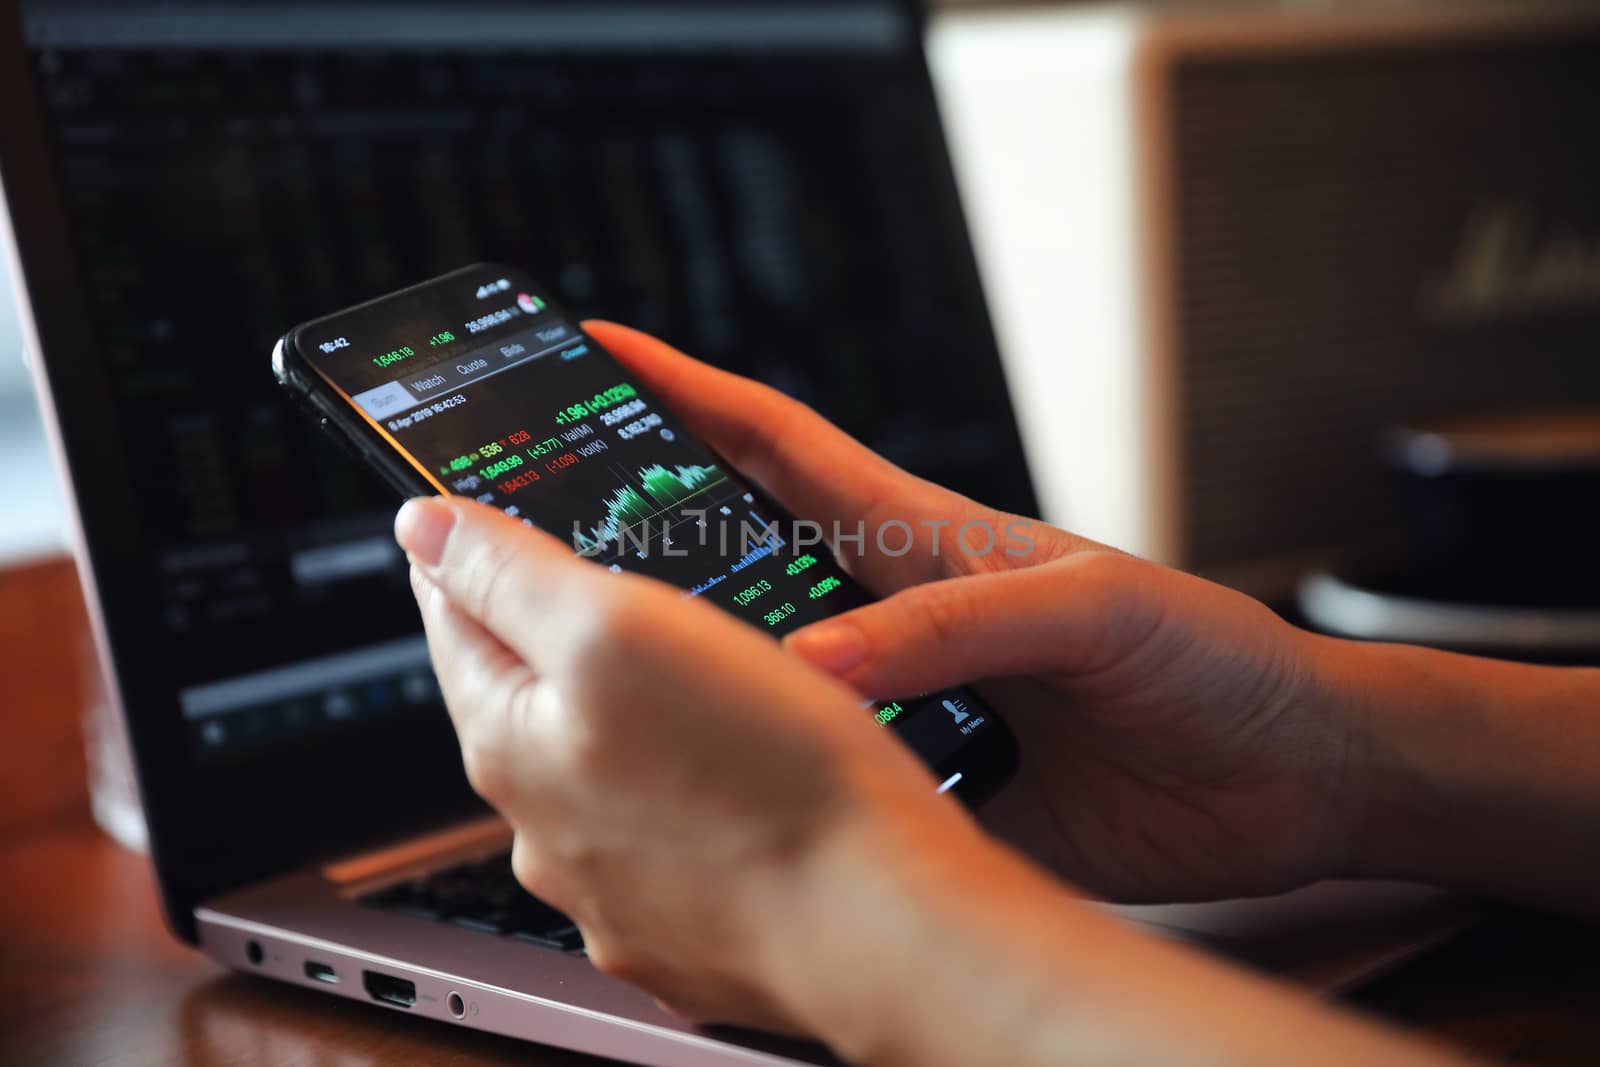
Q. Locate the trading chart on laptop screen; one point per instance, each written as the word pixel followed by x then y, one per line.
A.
pixel 764 184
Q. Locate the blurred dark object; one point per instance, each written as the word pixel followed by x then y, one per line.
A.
pixel 1502 511
pixel 1502 515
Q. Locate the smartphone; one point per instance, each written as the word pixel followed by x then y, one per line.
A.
pixel 479 384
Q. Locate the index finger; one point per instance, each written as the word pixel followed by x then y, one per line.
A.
pixel 813 468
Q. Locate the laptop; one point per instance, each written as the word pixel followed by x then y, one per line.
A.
pixel 765 183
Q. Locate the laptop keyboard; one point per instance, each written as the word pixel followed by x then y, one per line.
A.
pixel 482 896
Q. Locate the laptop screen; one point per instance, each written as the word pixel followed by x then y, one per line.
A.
pixel 763 184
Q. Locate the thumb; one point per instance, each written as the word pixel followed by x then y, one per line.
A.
pixel 521 585
pixel 1070 616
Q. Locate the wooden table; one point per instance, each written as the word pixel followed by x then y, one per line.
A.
pixel 89 974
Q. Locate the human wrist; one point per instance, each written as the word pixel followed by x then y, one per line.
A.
pixel 923 943
pixel 847 941
pixel 1469 773
pixel 1383 698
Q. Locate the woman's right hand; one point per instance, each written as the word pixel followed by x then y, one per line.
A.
pixel 1176 743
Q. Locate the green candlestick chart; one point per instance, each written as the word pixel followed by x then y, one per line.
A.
pixel 659 489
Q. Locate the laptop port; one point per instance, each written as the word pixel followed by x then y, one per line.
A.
pixel 457 1006
pixel 388 990
pixel 321 972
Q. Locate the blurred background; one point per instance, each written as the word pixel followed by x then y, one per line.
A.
pixel 1300 296
pixel 33 524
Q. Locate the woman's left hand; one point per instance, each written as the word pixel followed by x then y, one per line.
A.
pixel 671 776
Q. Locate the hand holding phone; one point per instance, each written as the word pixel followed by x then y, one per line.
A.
pixel 476 384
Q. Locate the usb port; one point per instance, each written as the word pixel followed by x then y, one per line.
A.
pixel 388 990
pixel 321 972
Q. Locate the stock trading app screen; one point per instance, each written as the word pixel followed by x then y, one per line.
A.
pixel 491 392
pixel 763 183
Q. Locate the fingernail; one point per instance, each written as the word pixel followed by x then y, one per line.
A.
pixel 422 528
pixel 835 648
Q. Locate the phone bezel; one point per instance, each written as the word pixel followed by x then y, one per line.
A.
pixel 987 762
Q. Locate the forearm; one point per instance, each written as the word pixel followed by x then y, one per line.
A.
pixel 956 951
pixel 1475 774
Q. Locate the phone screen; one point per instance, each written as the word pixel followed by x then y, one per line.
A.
pixel 481 386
